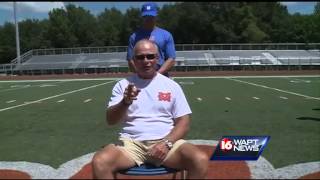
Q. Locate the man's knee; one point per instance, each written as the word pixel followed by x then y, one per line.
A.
pixel 105 158
pixel 201 160
pixel 197 159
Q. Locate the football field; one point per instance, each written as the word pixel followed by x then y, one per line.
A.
pixel 54 121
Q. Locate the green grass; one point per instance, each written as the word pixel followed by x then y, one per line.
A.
pixel 53 133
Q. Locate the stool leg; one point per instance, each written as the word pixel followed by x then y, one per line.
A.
pixel 183 174
pixel 174 175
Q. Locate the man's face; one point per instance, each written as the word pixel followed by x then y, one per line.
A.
pixel 145 60
pixel 149 21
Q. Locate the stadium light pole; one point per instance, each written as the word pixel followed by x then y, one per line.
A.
pixel 17 33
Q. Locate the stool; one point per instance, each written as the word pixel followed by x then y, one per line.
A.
pixel 150 170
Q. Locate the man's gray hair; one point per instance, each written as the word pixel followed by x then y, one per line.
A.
pixel 145 41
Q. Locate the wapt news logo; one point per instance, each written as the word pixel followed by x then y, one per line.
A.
pixel 240 147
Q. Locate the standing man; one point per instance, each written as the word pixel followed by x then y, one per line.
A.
pixel 155 117
pixel 161 37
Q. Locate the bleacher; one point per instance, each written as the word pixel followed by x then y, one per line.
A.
pixel 74 61
pixel 293 57
pixel 184 58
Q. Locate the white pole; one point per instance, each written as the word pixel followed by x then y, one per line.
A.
pixel 17 33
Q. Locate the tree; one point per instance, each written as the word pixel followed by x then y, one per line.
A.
pixel 247 28
pixel 82 24
pixel 273 18
pixel 31 35
pixel 60 32
pixel 316 21
pixel 131 22
pixel 317 9
pixel 189 22
pixel 7 43
pixel 168 18
pixel 110 24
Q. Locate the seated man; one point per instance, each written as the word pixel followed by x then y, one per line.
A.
pixel 154 113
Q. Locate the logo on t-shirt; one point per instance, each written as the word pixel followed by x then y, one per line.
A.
pixel 164 96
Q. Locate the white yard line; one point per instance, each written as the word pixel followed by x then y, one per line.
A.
pixel 227 98
pixel 255 98
pixel 60 101
pixel 11 89
pixel 62 80
pixel 11 101
pixel 26 86
pixel 282 97
pixel 299 80
pixel 87 100
pixel 58 95
pixel 276 89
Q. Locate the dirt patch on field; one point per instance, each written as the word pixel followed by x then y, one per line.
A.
pixel 12 174
pixel 217 170
pixel 311 176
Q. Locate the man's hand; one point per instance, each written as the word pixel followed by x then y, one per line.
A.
pixel 166 66
pixel 159 151
pixel 130 94
pixel 115 113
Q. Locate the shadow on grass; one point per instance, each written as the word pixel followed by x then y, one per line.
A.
pixel 309 118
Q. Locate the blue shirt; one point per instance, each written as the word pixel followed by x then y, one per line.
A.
pixel 161 37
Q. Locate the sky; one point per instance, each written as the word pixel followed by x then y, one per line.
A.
pixel 39 10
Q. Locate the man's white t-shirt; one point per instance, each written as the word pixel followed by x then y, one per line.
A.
pixel 152 115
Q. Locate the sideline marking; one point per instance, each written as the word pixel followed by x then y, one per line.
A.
pixel 20 86
pixel 196 77
pixel 186 82
pixel 282 97
pixel 58 95
pixel 12 88
pixel 88 100
pixel 47 85
pixel 280 90
pixel 62 80
pixel 27 86
pixel 295 80
pixel 11 101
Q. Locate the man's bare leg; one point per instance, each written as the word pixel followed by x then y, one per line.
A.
pixel 190 158
pixel 108 161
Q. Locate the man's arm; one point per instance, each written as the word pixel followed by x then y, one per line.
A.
pixel 169 54
pixel 115 113
pixel 130 53
pixel 167 65
pixel 181 127
pixel 131 65
pixel 160 150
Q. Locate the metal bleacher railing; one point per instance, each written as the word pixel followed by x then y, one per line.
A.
pixel 183 48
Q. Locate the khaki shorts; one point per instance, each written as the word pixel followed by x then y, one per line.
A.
pixel 138 150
